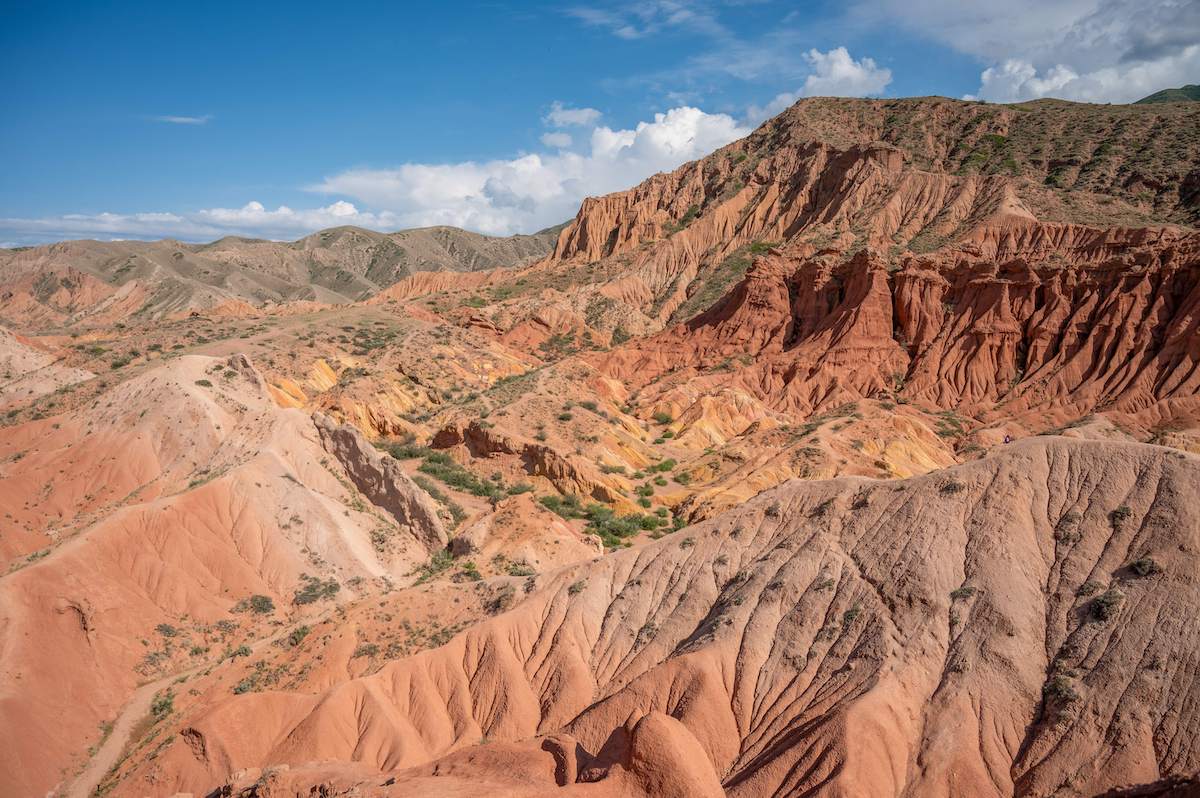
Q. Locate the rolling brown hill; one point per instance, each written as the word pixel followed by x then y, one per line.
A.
pixel 94 282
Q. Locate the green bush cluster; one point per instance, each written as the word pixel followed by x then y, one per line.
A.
pixel 315 589
pixel 602 521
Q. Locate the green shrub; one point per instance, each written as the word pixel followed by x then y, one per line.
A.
pixel 407 451
pixel 519 568
pixel 445 469
pixel 439 562
pixel 467 572
pixel 365 650
pixel 162 705
pixel 1059 689
pixel 1145 566
pixel 314 589
pixel 1105 605
pixel 567 507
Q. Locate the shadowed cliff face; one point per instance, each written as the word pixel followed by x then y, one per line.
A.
pixel 963 332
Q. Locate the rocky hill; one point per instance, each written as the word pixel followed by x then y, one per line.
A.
pixel 895 176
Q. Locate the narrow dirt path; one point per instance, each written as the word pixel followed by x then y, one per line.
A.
pixel 109 753
pixel 137 708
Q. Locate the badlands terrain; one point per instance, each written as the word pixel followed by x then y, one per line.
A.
pixel 859 458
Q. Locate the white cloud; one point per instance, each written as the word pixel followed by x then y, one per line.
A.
pixel 252 219
pixel 537 190
pixel 184 120
pixel 834 74
pixel 638 20
pixel 1016 80
pixel 559 140
pixel 1086 50
pixel 561 116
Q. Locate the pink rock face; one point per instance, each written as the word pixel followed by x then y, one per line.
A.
pixel 955 331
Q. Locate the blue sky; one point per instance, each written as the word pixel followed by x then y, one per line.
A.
pixel 145 120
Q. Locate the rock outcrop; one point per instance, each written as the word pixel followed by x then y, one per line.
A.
pixel 956 332
pixel 383 482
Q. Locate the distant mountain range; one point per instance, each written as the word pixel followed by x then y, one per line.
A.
pixel 75 280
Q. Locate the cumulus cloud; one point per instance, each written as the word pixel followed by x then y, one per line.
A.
pixel 834 74
pixel 1016 80
pixel 536 190
pixel 559 140
pixel 1086 50
pixel 561 116
pixel 184 120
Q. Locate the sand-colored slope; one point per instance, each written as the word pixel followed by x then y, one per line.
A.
pixel 27 372
pixel 182 493
pixel 976 631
